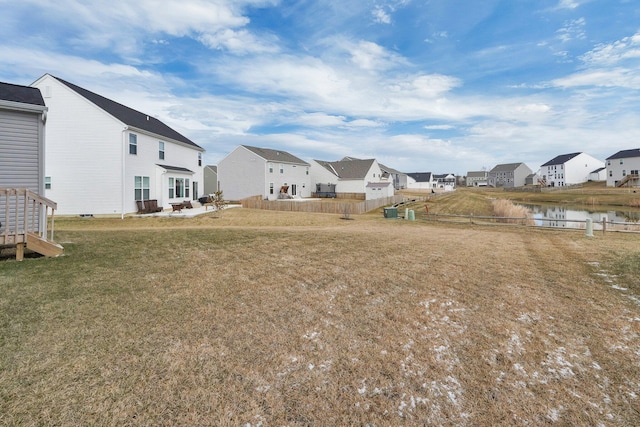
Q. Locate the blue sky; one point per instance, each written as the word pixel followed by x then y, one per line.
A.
pixel 422 86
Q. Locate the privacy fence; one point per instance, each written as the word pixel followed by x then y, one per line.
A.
pixel 331 206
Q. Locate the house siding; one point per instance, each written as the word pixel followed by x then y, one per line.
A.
pixel 88 158
pixel 573 171
pixel 83 151
pixel 618 168
pixel 243 173
pixel 20 145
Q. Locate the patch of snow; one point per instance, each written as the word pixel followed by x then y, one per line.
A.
pixel 620 288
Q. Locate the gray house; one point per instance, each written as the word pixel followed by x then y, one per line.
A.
pixel 23 208
pixel 508 175
pixel 22 124
pixel 210 179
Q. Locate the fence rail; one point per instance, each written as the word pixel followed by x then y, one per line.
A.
pixel 22 211
pixel 571 224
pixel 334 206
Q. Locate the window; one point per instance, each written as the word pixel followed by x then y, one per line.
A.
pixel 608 162
pixel 47 183
pixel 141 188
pixel 133 143
pixel 270 167
pixel 624 172
pixel 271 188
pixel 621 162
pixel 610 173
pixel 307 170
pixel 161 150
pixel 199 159
pixel 281 168
pixel 179 187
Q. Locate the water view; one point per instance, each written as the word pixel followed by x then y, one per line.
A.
pixel 563 217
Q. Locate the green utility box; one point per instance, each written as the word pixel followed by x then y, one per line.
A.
pixel 391 212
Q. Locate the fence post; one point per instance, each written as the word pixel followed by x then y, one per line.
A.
pixel 604 224
pixel 589 228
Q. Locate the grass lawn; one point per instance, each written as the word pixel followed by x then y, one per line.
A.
pixel 277 318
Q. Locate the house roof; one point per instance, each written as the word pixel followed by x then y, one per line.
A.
pixel 23 94
pixel 390 170
pixel 561 159
pixel 625 154
pixel 506 167
pixel 129 116
pixel 477 174
pixel 348 169
pixel 599 170
pixel 276 155
pixel 421 176
pixel 176 168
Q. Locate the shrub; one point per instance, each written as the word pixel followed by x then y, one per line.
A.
pixel 511 213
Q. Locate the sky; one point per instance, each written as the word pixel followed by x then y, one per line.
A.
pixel 442 86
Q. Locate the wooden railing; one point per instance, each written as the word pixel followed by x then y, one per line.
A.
pixel 21 212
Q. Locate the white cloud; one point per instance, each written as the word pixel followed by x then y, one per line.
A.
pixel 573 29
pixel 613 53
pixel 371 56
pixel 568 4
pixel 239 42
pixel 380 16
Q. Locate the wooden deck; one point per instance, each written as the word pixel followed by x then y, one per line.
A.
pixel 27 220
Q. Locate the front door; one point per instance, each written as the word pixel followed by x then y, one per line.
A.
pixel 294 188
pixel 195 190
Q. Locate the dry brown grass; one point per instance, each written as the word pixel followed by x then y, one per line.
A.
pixel 511 213
pixel 270 319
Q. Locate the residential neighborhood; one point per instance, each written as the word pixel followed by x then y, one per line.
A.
pixel 104 158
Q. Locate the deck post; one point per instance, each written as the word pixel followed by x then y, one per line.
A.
pixel 20 251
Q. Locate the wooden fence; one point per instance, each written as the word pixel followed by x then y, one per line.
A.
pixel 333 206
pixel 563 224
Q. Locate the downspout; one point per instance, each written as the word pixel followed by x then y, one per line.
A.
pixel 122 192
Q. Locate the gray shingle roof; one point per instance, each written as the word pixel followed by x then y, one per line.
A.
pixel 561 159
pixel 23 94
pixel 348 169
pixel 625 154
pixel 129 116
pixel 421 176
pixel 506 167
pixel 276 155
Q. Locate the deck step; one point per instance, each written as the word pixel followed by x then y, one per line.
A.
pixel 42 246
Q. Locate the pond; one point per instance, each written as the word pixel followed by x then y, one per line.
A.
pixel 570 217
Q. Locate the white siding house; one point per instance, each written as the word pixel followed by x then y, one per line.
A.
pixel 421 181
pixel 623 167
pixel 477 178
pixel 568 169
pixel 351 177
pixel 251 171
pixel 102 157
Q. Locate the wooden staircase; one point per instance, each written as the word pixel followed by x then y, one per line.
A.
pixel 25 222
pixel 630 177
